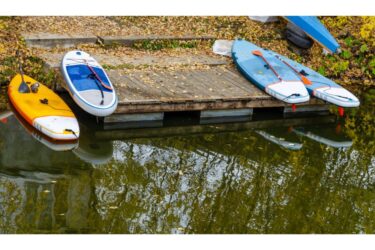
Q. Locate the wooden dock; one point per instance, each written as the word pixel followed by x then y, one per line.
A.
pixel 217 90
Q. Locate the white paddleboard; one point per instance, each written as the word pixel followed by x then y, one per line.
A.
pixel 88 84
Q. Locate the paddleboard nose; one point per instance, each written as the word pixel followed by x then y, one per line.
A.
pixel 290 92
pixel 338 96
pixel 58 127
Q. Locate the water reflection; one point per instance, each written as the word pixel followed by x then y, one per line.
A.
pixel 206 181
pixel 333 138
pixel 288 144
pixel 92 150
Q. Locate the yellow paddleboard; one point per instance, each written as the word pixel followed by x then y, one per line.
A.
pixel 43 109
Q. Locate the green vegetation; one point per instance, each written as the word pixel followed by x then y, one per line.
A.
pixel 32 65
pixel 167 44
pixel 121 66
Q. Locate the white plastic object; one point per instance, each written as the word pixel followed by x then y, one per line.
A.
pixel 223 47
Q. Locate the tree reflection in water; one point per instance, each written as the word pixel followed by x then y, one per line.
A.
pixel 236 182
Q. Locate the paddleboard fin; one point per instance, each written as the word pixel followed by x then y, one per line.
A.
pixel 341 111
pixel 294 107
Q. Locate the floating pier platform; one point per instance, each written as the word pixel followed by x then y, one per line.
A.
pixel 214 91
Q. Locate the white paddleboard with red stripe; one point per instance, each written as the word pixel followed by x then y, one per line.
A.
pixel 88 83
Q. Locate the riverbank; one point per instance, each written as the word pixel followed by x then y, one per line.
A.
pixel 354 68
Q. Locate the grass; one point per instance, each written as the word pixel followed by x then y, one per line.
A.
pixel 167 44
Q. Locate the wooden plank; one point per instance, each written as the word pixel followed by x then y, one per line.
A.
pixel 197 88
pixel 222 86
pixel 226 113
pixel 130 40
pixel 46 40
pixel 208 89
pixel 181 105
pixel 134 117
pixel 53 60
pixel 239 81
pixel 308 108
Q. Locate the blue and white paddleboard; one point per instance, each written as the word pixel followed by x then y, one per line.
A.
pixel 88 83
pixel 268 73
pixel 321 87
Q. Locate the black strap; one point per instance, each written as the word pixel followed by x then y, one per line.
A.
pixel 304 73
pixel 92 76
pixel 44 101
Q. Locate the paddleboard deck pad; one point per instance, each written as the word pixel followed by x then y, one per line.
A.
pixel 88 84
pixel 288 87
pixel 44 110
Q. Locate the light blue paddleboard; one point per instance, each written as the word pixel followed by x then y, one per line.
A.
pixel 288 87
pixel 322 87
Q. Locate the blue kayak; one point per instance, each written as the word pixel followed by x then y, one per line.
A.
pixel 316 30
pixel 268 73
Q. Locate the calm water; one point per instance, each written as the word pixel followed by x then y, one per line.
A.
pixel 315 178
